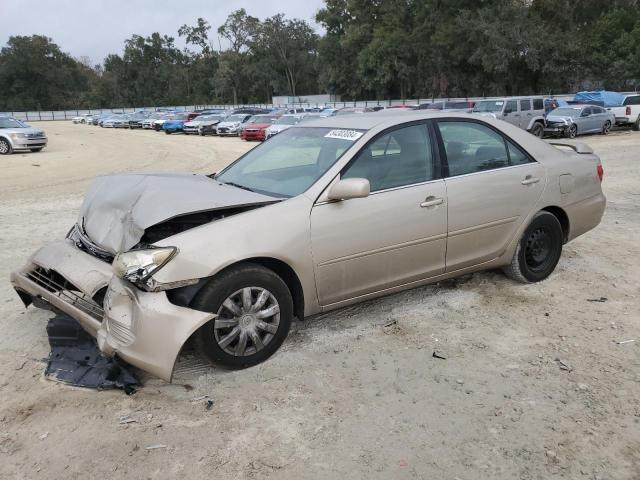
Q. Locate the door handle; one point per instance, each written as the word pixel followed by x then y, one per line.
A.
pixel 431 201
pixel 529 180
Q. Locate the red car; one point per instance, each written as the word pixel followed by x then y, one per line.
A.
pixel 256 127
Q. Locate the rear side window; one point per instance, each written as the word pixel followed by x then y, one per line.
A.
pixel 634 100
pixel 525 105
pixel 398 158
pixel 472 147
pixel 538 104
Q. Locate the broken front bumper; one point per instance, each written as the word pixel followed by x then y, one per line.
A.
pixel 142 328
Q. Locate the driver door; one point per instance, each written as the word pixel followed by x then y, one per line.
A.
pixel 394 236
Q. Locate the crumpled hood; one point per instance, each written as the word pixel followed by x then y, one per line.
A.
pixel 559 118
pixel 118 208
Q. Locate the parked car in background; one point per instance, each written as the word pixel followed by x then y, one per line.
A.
pixel 319 217
pixel 147 123
pixel 328 111
pixel 176 124
pixel 629 113
pixel 394 107
pixel 255 128
pixel 18 135
pixel 85 118
pixel 157 123
pixel 231 125
pixel 463 106
pixel 524 112
pixel 210 126
pixel 282 123
pixel 112 121
pixel 351 110
pixel 192 127
pixel 135 119
pixel 579 120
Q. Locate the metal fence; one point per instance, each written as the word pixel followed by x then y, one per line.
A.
pixel 70 114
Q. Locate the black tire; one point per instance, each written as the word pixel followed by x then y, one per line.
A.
pixel 5 147
pixel 219 289
pixel 167 132
pixel 201 133
pixel 538 251
pixel 537 130
pixel 35 150
pixel 606 128
pixel 572 131
pixel 636 125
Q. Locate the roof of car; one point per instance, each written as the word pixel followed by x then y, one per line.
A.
pixel 367 121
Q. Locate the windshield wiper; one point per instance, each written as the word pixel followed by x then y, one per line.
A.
pixel 238 185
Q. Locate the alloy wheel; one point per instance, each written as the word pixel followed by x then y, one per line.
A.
pixel 4 147
pixel 247 321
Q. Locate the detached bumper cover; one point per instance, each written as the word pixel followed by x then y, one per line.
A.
pixel 142 328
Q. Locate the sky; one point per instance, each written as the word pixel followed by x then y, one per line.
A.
pixel 95 28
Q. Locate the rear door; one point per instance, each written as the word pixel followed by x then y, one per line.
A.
pixel 492 185
pixel 525 113
pixel 511 113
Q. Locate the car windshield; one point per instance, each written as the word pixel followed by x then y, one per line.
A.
pixel 235 118
pixel 11 123
pixel 287 121
pixel 566 112
pixel 290 162
pixel 262 119
pixel 489 106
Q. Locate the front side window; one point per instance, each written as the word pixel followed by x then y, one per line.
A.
pixel 538 104
pixel 290 162
pixel 511 106
pixel 472 147
pixel 398 158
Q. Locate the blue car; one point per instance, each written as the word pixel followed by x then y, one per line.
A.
pixel 176 124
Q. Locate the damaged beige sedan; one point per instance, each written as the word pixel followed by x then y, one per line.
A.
pixel 323 215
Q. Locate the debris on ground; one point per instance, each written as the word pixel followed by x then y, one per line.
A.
pixel 126 420
pixel 438 355
pixel 155 447
pixel 76 360
pixel 563 365
pixel 622 342
pixel 200 398
pixel 599 299
pixel 209 405
pixel 44 435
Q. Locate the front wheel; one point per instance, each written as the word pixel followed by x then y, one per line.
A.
pixel 537 130
pixel 5 146
pixel 167 132
pixel 254 311
pixel 572 132
pixel 538 250
pixel 606 128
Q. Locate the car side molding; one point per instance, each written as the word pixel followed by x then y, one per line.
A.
pixel 577 147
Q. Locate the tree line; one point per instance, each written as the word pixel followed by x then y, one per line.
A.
pixel 369 49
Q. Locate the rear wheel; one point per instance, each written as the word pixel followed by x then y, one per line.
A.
pixel 606 128
pixel 254 311
pixel 537 130
pixel 538 251
pixel 5 146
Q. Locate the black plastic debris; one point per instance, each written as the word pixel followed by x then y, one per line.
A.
pixel 76 360
pixel 599 299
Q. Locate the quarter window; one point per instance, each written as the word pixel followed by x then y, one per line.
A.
pixel 401 157
pixel 538 104
pixel 634 100
pixel 471 147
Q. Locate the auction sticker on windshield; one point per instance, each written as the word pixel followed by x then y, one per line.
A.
pixel 351 135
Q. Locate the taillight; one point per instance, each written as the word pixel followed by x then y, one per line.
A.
pixel 627 111
pixel 600 172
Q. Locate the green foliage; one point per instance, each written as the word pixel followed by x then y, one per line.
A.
pixel 370 49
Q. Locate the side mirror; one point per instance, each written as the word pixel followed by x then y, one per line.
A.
pixel 349 188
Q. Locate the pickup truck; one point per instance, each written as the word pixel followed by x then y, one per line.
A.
pixel 629 112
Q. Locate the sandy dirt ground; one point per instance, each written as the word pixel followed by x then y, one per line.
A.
pixel 346 397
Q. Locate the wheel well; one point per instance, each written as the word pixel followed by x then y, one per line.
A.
pixel 288 275
pixel 562 217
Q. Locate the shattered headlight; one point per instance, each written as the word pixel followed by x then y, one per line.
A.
pixel 138 266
